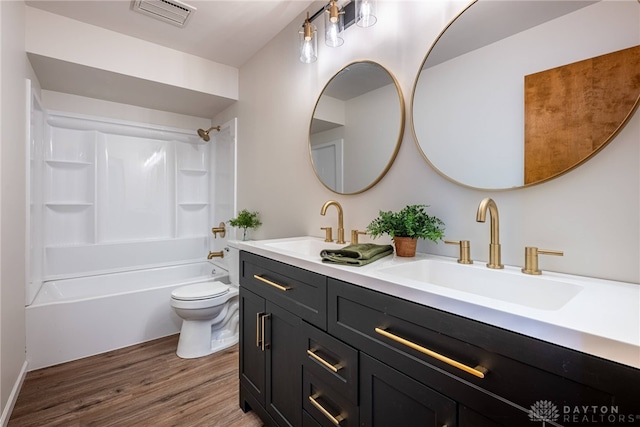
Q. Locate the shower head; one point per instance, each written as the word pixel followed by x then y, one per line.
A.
pixel 204 134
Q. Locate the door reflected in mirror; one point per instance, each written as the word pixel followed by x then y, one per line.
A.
pixel 356 128
pixel 469 97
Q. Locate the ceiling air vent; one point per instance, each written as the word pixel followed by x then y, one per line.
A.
pixel 172 11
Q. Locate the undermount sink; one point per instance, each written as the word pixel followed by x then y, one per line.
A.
pixel 309 247
pixel 509 285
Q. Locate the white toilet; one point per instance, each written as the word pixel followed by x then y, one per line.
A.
pixel 209 312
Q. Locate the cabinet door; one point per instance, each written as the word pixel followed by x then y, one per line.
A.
pixel 284 344
pixel 390 398
pixel 470 418
pixel 252 358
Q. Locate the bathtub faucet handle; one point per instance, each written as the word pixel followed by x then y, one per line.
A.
pixel 219 229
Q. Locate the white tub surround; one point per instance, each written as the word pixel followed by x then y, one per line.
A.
pixel 75 318
pixel 601 319
pixel 109 195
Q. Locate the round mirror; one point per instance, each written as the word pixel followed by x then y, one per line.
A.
pixel 515 93
pixel 356 128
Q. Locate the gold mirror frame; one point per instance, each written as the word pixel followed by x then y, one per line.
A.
pixel 417 139
pixel 393 146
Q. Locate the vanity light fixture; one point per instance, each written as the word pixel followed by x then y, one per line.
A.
pixel 308 42
pixel 336 20
pixel 333 25
pixel 366 13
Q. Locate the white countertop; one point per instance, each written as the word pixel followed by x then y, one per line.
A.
pixel 603 319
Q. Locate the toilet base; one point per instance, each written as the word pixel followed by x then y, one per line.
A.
pixel 200 338
pixel 191 345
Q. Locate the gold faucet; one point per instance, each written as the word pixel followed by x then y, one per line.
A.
pixel 494 246
pixel 212 255
pixel 323 211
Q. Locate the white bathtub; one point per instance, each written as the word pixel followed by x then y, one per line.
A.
pixel 75 318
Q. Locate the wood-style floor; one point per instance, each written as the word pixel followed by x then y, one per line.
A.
pixel 142 385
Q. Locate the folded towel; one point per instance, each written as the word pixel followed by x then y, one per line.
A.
pixel 356 255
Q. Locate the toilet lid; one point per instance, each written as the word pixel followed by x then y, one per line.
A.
pixel 200 291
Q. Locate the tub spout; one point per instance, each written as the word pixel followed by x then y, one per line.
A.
pixel 212 255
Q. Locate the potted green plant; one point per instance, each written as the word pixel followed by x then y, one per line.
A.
pixel 406 226
pixel 245 220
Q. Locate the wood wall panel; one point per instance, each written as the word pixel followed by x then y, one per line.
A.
pixel 572 111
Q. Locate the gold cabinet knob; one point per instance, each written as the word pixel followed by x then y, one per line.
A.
pixel 465 250
pixel 531 259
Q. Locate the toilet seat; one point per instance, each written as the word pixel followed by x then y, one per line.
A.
pixel 200 291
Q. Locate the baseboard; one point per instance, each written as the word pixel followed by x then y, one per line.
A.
pixel 13 397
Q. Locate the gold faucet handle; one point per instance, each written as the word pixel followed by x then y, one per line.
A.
pixel 354 236
pixel 328 236
pixel 465 250
pixel 531 258
pixel 219 229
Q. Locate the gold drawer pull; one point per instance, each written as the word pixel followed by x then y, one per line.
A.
pixel 264 343
pixel 333 368
pixel 258 340
pixel 478 371
pixel 335 420
pixel 269 282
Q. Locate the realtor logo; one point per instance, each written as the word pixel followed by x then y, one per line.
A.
pixel 544 410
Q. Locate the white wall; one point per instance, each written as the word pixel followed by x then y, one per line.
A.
pixel 14 70
pixel 592 213
pixel 58 101
pixel 105 50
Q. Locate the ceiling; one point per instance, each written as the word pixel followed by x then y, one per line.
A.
pixel 225 31
pixel 229 32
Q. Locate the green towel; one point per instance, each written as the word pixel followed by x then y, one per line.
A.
pixel 356 255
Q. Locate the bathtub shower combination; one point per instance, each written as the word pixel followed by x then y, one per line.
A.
pixel 120 217
pixel 75 318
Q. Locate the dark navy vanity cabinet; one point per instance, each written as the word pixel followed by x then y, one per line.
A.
pixel 315 351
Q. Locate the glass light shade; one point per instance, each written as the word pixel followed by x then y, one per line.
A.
pixel 333 26
pixel 309 44
pixel 365 13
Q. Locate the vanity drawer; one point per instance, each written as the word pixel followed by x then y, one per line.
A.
pixel 309 421
pixel 397 332
pixel 335 362
pixel 299 291
pixel 328 407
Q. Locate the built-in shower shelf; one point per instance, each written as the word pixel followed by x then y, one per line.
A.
pixel 193 205
pixel 68 205
pixel 68 163
pixel 194 171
